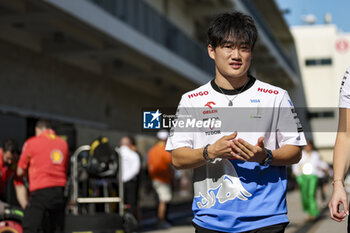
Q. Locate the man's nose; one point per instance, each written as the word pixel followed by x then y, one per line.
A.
pixel 235 53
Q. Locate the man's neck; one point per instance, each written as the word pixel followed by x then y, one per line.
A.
pixel 161 142
pixel 230 83
pixel 39 132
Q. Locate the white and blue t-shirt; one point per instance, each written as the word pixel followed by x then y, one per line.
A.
pixel 233 195
pixel 344 96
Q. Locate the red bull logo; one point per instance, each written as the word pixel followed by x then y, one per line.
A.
pixel 227 187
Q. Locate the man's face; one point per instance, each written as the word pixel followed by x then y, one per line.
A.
pixel 9 158
pixel 124 141
pixel 232 60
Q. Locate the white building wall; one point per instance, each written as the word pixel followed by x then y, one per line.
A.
pixel 322 82
pixel 314 42
pixel 342 58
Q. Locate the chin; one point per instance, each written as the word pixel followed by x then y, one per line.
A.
pixel 236 75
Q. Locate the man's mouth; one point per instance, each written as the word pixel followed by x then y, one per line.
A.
pixel 236 65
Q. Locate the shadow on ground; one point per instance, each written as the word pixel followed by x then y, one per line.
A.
pixel 308 225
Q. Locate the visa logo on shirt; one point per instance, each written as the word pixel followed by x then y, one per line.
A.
pixel 255 100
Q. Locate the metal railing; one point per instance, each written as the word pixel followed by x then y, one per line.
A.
pixel 146 20
pixel 76 200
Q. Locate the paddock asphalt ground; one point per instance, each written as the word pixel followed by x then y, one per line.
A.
pixel 181 216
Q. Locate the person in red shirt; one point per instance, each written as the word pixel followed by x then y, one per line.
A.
pixel 45 157
pixel 161 172
pixel 10 183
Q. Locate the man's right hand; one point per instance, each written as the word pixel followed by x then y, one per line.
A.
pixel 339 198
pixel 222 148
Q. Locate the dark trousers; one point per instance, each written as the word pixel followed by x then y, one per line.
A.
pixel 278 228
pixel 45 210
pixel 131 195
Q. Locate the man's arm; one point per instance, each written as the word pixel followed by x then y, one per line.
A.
pixel 22 197
pixel 185 158
pixel 20 172
pixel 23 162
pixel 286 155
pixel 230 148
pixel 341 162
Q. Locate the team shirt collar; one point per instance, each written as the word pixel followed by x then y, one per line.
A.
pixel 251 81
pixel 48 133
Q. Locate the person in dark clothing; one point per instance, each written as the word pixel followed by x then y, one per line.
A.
pixel 130 155
pixel 12 188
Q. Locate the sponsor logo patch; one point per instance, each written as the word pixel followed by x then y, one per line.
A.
pixel 197 94
pixel 56 156
pixel 269 91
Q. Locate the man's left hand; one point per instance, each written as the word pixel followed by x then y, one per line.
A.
pixel 251 153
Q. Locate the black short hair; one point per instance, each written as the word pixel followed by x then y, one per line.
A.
pixel 43 124
pixel 131 139
pixel 239 26
pixel 10 145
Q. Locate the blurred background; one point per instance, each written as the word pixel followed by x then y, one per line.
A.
pixel 91 66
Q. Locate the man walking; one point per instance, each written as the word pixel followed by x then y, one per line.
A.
pixel 131 166
pixel 45 157
pixel 338 205
pixel 239 165
pixel 161 173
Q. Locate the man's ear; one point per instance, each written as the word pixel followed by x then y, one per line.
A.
pixel 211 52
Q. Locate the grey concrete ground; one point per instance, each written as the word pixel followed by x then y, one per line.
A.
pixel 298 219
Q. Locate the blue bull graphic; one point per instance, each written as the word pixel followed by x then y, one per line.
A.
pixel 226 187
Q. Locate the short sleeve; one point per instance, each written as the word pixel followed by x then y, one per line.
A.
pixel 289 128
pixel 17 181
pixel 344 95
pixel 25 156
pixel 178 139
